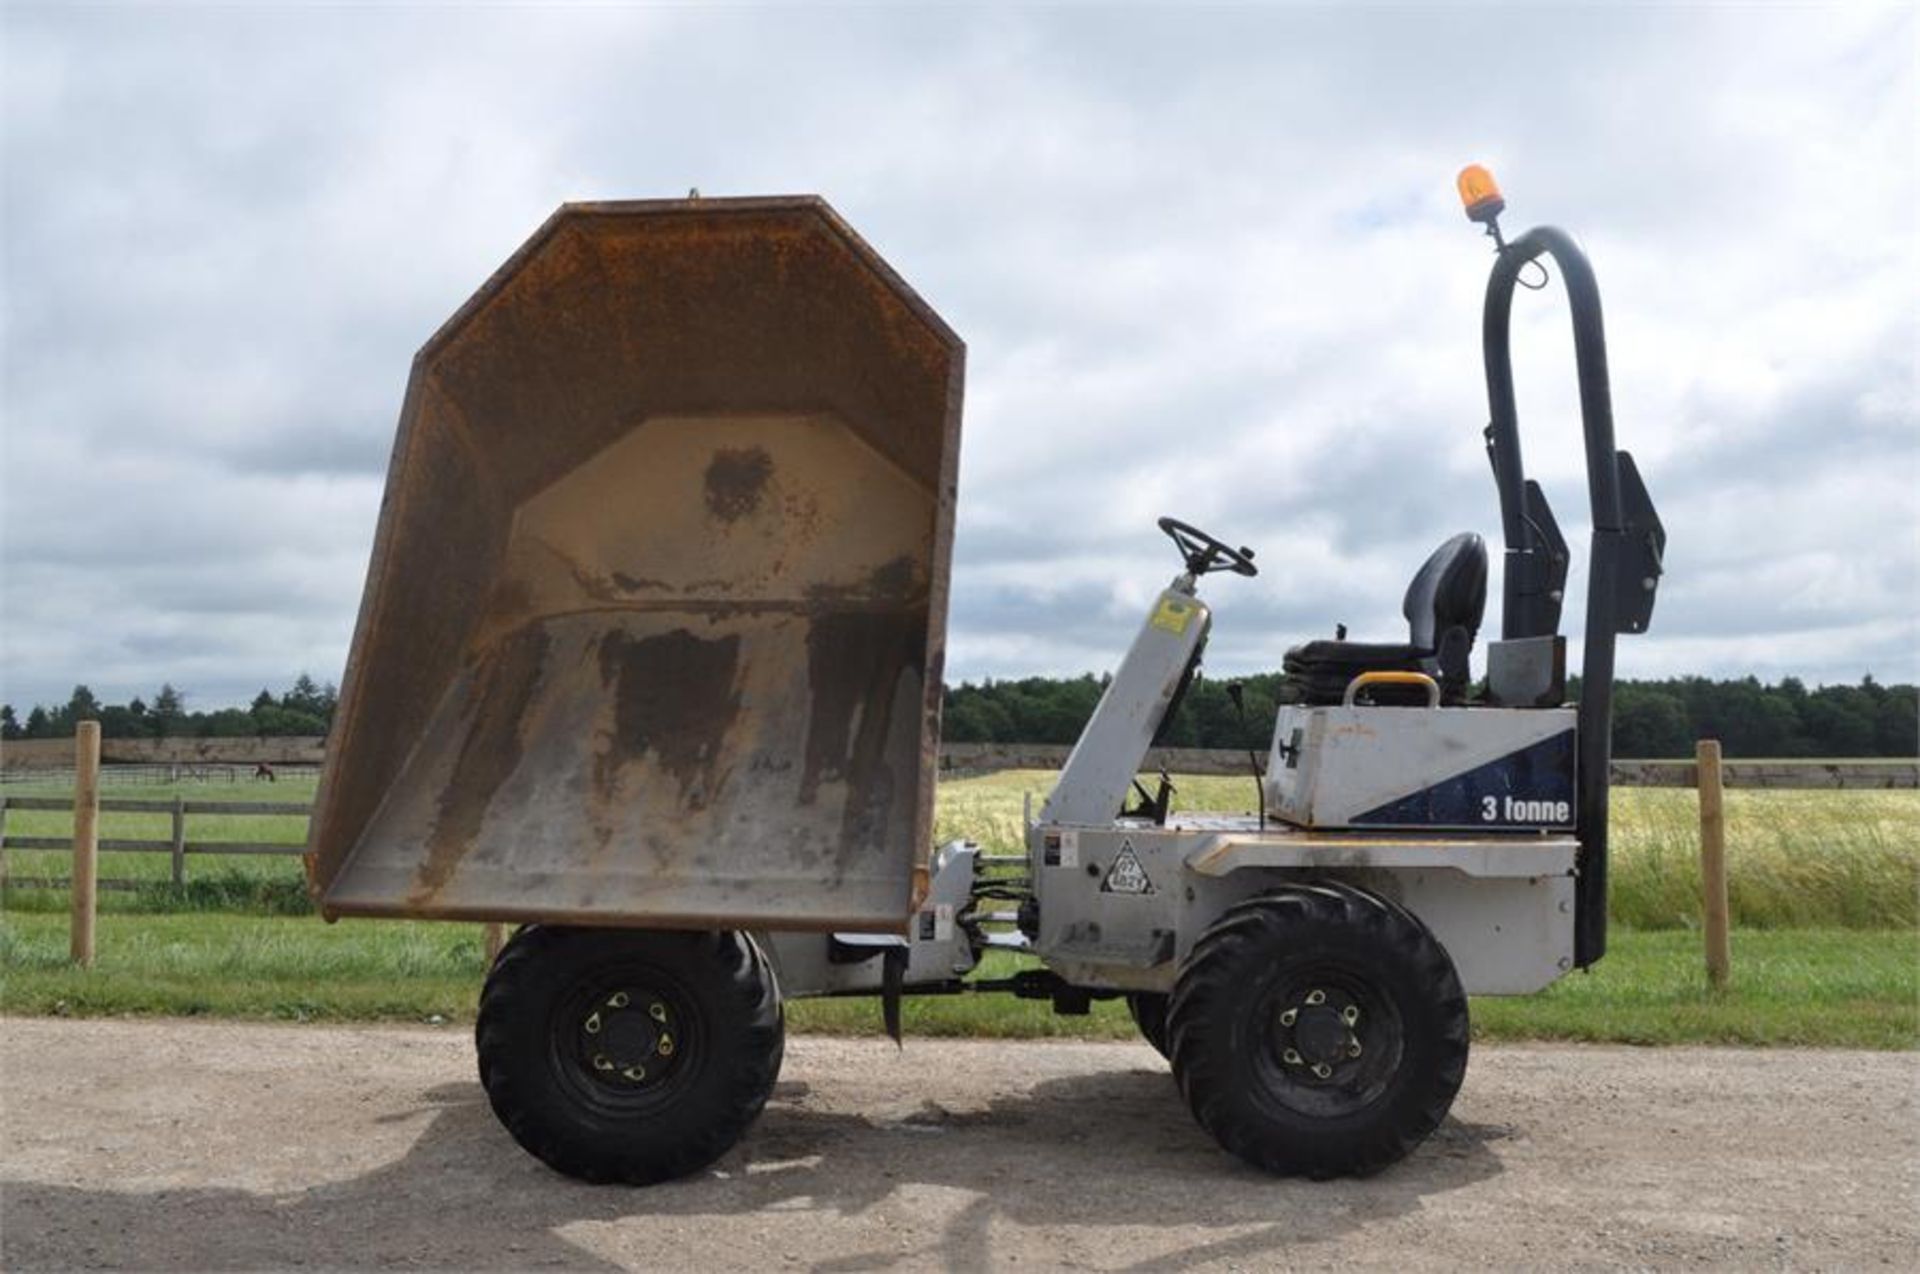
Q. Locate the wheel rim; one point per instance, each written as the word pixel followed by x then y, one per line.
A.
pixel 1329 1040
pixel 626 1040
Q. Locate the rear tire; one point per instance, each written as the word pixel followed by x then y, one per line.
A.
pixel 1319 1030
pixel 1149 1012
pixel 626 1055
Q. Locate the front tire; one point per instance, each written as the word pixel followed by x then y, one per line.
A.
pixel 1319 1030
pixel 626 1055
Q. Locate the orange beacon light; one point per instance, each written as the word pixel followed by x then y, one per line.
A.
pixel 1480 194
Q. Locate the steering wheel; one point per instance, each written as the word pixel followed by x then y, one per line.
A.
pixel 1203 554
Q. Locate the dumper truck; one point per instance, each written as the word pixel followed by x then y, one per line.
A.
pixel 649 665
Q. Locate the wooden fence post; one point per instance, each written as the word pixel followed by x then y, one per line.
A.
pixel 179 840
pixel 86 839
pixel 1713 863
pixel 496 938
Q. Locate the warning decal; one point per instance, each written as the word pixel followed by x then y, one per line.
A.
pixel 1126 876
pixel 1173 615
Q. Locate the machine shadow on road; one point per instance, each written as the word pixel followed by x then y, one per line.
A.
pixel 1109 1150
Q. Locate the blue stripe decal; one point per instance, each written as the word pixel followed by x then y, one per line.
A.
pixel 1530 788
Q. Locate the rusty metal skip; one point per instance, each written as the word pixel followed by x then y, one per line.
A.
pixel 653 629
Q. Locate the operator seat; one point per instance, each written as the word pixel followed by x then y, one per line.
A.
pixel 1443 607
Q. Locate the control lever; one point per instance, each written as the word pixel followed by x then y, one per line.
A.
pixel 1237 691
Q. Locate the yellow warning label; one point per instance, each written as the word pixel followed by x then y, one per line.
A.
pixel 1172 615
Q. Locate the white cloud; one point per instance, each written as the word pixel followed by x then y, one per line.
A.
pixel 1207 262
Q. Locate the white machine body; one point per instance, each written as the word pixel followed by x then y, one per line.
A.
pixel 1468 769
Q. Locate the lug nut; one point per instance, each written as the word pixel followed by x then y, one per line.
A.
pixel 1287 1018
pixel 1350 1015
pixel 593 1023
pixel 1316 997
pixel 1291 1057
pixel 618 1000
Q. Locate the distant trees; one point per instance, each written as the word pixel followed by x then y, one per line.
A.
pixel 1651 718
pixel 1751 719
pixel 305 708
pixel 169 712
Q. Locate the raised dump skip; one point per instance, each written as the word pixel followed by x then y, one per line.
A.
pixel 653 627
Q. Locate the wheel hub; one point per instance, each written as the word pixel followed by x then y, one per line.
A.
pixel 628 1038
pixel 1318 1034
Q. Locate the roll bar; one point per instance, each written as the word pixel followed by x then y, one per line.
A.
pixel 1624 561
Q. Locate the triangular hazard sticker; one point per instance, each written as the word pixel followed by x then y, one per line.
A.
pixel 1126 876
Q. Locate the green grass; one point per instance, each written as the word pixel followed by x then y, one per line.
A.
pixel 1824 887
pixel 1835 988
pixel 1853 988
pixel 235 965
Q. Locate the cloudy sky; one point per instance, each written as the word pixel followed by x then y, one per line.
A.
pixel 1207 262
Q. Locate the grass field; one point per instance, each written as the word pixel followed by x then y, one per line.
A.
pixel 1824 886
pixel 1858 988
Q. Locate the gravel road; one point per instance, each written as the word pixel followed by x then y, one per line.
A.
pixel 161 1144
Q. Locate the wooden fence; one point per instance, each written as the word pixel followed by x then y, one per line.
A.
pixel 145 775
pixel 1706 772
pixel 176 845
pixel 956 761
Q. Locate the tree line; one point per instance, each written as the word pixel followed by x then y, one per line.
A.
pixel 1652 719
pixel 304 708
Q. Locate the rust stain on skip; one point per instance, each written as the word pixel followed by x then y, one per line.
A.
pixel 736 480
pixel 674 698
pixel 498 695
pixel 855 662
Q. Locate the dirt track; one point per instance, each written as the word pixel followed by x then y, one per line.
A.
pixel 174 1144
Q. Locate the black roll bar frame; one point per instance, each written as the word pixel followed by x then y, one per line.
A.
pixel 1531 601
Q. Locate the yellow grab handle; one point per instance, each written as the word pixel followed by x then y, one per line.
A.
pixel 1393 679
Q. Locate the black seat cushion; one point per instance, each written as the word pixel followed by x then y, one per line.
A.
pixel 1319 671
pixel 1443 606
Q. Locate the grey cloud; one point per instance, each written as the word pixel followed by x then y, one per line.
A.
pixel 1207 262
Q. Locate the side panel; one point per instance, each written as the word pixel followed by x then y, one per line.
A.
pixel 1112 904
pixel 1502 908
pixel 1506 937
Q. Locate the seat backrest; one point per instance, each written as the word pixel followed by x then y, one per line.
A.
pixel 1448 592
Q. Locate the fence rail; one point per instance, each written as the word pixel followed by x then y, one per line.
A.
pixel 136 775
pixel 176 845
pixel 957 760
pixel 1707 773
